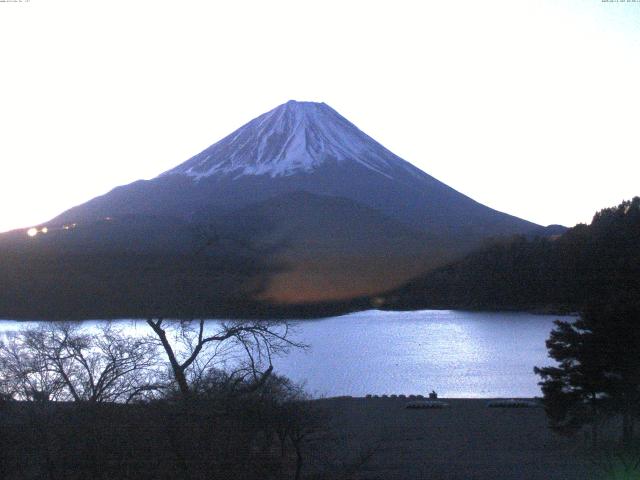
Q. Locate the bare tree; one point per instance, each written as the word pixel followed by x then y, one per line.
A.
pixel 25 374
pixel 295 418
pixel 63 362
pixel 246 347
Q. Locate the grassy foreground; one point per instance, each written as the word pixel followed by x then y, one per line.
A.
pixel 352 439
pixel 468 440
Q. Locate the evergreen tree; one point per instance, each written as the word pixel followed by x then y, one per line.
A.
pixel 598 372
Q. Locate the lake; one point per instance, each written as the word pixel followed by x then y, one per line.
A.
pixel 455 353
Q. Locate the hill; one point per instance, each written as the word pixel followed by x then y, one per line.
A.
pixel 559 273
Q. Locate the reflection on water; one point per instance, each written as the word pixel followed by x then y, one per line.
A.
pixel 458 354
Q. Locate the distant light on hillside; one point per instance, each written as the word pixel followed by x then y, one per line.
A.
pixel 32 232
pixel 44 230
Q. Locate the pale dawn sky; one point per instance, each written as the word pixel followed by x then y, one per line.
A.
pixel 530 107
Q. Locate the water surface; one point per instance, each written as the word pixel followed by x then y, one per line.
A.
pixel 456 353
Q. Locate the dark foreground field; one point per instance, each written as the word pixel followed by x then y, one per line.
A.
pixel 351 439
pixel 465 441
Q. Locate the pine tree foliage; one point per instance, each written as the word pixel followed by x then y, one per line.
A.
pixel 598 371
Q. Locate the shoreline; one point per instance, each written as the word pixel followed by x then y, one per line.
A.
pixel 292 317
pixel 421 397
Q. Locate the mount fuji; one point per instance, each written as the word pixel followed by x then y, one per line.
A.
pixel 308 147
pixel 340 215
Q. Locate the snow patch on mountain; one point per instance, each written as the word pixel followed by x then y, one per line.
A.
pixel 296 137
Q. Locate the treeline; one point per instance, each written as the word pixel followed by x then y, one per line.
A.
pixel 185 400
pixel 129 268
pixel 559 274
pixel 114 285
pixel 237 436
pixel 126 285
pixel 140 267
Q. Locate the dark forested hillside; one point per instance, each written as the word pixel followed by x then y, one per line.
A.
pixel 131 267
pixel 561 273
pixel 141 266
pixel 127 268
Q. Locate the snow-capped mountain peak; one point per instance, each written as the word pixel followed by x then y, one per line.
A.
pixel 295 137
pixel 332 214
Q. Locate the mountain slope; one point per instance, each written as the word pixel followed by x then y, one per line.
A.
pixel 303 146
pixel 334 214
pixel 331 247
